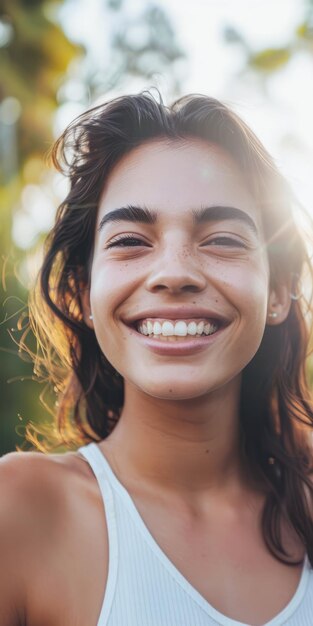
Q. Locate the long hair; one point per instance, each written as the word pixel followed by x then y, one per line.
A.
pixel 276 409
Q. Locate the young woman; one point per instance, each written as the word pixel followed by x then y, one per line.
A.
pixel 172 319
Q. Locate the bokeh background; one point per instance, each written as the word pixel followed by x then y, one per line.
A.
pixel 59 57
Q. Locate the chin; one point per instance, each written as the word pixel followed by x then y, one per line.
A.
pixel 176 390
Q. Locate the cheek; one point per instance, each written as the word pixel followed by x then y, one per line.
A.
pixel 250 277
pixel 111 284
pixel 245 287
pixel 111 287
pixel 252 289
pixel 256 287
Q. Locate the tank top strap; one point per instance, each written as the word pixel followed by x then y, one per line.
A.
pixel 96 460
pixel 98 465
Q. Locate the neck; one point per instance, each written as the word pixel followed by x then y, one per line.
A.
pixel 188 446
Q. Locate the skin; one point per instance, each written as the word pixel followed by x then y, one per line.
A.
pixel 176 447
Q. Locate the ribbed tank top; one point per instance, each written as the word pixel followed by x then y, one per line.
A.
pixel 144 588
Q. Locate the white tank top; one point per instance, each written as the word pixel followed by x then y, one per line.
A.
pixel 144 588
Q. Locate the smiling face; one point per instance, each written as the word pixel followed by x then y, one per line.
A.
pixel 190 254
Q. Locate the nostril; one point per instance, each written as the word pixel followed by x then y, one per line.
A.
pixel 176 288
pixel 192 288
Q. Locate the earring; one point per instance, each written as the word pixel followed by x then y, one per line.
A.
pixel 273 315
pixel 91 317
pixel 295 296
pixel 295 280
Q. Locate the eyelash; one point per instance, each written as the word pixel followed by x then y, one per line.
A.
pixel 125 241
pixel 230 241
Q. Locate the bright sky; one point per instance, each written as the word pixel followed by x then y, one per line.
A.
pixel 281 117
pixel 213 68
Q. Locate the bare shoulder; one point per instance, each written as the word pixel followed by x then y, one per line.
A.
pixel 18 477
pixel 36 493
pixel 32 486
pixel 36 484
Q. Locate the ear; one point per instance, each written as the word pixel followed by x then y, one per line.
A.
pixel 86 308
pixel 278 306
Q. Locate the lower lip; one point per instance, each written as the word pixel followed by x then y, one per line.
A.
pixel 177 348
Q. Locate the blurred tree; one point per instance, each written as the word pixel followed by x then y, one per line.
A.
pixel 137 45
pixel 37 62
pixel 34 56
pixel 143 46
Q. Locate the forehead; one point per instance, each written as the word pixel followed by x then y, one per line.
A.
pixel 170 175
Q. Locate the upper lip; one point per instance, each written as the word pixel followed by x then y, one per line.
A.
pixel 171 313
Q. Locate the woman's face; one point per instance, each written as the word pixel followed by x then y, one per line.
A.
pixel 195 263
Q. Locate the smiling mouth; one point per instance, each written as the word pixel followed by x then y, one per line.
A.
pixel 177 330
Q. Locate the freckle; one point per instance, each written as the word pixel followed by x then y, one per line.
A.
pixel 207 451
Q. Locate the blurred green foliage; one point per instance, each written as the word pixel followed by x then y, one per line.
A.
pixel 268 61
pixel 34 56
pixel 36 61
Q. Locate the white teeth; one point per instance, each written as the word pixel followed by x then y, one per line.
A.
pixel 179 329
pixel 200 328
pixel 167 329
pixel 157 328
pixel 192 328
pixel 209 329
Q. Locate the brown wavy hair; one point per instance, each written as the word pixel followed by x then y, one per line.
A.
pixel 276 407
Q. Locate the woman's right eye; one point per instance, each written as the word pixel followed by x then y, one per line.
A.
pixel 126 241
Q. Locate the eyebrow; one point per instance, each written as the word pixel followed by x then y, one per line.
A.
pixel 143 215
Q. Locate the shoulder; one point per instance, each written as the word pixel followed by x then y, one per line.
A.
pixel 36 496
pixel 22 475
pixel 20 467
pixel 27 473
pixel 21 490
pixel 28 485
pixel 35 484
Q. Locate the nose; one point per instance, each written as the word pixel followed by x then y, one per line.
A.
pixel 176 270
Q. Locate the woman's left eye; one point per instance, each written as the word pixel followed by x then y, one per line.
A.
pixel 226 241
pixel 126 241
